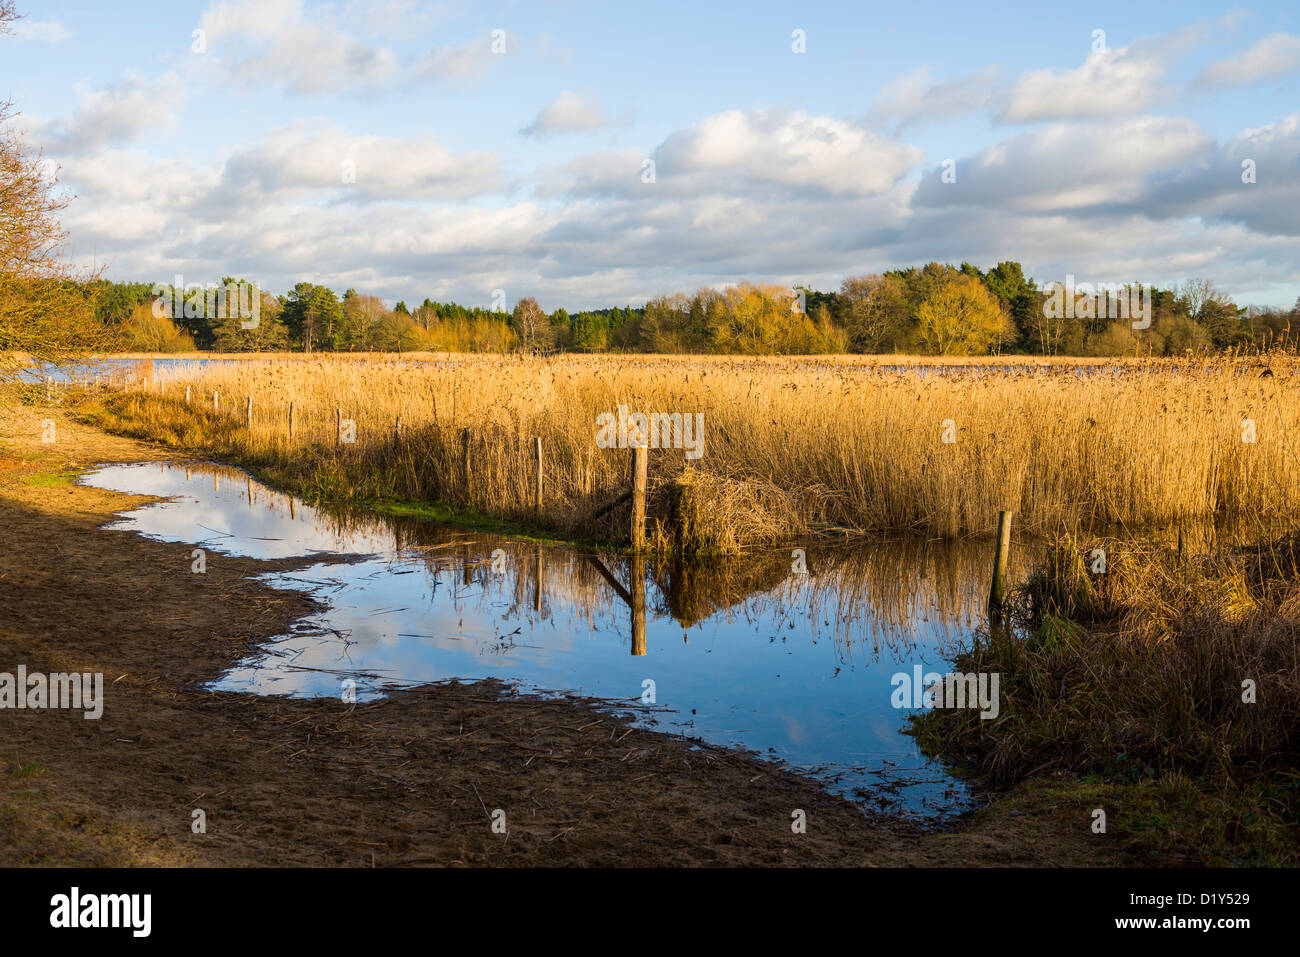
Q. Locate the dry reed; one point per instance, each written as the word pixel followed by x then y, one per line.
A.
pixel 792 447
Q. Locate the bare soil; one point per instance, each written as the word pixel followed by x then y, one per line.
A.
pixel 410 780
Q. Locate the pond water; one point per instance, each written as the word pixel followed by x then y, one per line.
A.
pixel 756 653
pixel 114 369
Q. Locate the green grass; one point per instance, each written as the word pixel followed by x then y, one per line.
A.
pixel 52 479
pixel 445 514
pixel 1128 684
pixel 28 770
pixel 1173 820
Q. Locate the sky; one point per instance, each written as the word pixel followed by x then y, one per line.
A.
pixel 596 154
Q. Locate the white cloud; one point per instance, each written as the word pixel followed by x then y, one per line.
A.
pixel 115 114
pixel 306 158
pixel 608 173
pixel 1214 189
pixel 309 53
pixel 1111 82
pixel 912 97
pixel 568 112
pixel 776 197
pixel 736 150
pixel 39 31
pixel 457 62
pixel 1272 56
pixel 1070 166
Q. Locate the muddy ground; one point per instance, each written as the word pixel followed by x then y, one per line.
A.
pixel 410 780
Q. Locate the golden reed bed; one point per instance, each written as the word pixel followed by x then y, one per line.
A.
pixel 792 446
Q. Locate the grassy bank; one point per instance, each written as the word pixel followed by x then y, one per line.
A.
pixel 1166 688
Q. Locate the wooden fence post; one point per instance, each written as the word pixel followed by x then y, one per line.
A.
pixel 537 498
pixel 291 421
pixel 187 395
pixel 250 413
pixel 640 464
pixel 216 401
pixel 998 590
pixel 464 461
pixel 338 426
pixel 537 588
pixel 638 605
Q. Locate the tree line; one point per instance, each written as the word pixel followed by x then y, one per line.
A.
pixel 936 309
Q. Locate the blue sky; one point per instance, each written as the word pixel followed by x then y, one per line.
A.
pixel 385 145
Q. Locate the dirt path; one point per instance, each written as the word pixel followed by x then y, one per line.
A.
pixel 409 780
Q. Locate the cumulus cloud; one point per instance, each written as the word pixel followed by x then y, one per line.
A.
pixel 792 150
pixel 1218 189
pixel 258 41
pixel 1110 82
pixel 736 154
pixel 770 196
pixel 913 98
pixel 115 114
pixel 1273 56
pixel 306 158
pixel 1067 166
pixel 569 112
pixel 593 175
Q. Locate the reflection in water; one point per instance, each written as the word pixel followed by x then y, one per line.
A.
pixel 756 653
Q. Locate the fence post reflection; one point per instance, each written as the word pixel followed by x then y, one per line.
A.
pixel 638 606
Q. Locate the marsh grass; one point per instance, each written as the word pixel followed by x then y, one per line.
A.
pixel 794 448
pixel 1137 675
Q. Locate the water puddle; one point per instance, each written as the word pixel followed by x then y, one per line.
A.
pixel 794 666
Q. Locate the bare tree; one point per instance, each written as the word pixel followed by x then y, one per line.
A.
pixel 46 310
pixel 7 16
pixel 1196 294
pixel 874 311
pixel 531 324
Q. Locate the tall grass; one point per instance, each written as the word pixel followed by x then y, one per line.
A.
pixel 1177 671
pixel 793 447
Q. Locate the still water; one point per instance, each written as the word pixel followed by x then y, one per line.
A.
pixel 116 368
pixel 794 665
